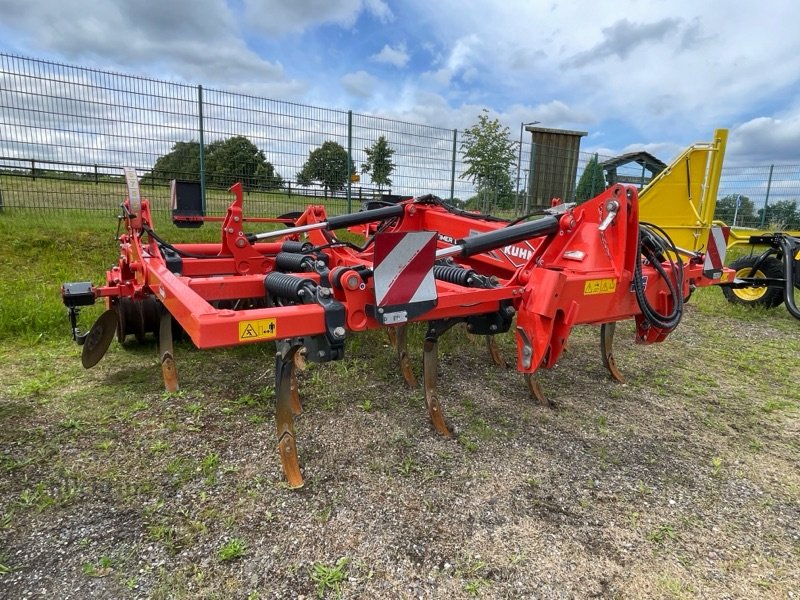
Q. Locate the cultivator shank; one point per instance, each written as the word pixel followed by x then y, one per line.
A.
pixel 421 260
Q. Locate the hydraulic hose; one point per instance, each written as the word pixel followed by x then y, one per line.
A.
pixel 656 247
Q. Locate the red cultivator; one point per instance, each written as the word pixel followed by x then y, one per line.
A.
pixel 420 260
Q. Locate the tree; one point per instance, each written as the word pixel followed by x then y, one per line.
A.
pixel 379 162
pixel 727 210
pixel 182 162
pixel 238 159
pixel 226 162
pixel 782 214
pixel 490 154
pixel 592 181
pixel 327 165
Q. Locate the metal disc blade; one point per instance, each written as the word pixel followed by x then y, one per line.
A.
pixel 99 339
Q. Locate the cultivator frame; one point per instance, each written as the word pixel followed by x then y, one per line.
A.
pixel 421 261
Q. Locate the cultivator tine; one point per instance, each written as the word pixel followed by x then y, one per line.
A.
pixel 398 338
pixel 494 352
pixel 167 353
pixel 285 399
pixel 401 345
pixel 607 350
pixel 430 364
pixel 535 388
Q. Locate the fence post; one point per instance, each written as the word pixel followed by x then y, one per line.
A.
pixel 766 198
pixel 202 149
pixel 96 178
pixel 453 167
pixel 33 169
pixel 349 160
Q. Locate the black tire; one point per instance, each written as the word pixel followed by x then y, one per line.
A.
pixel 767 297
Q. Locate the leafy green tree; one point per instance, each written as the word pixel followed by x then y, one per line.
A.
pixel 490 154
pixel 328 165
pixel 592 181
pixel 379 162
pixel 182 162
pixel 238 159
pixel 782 214
pixel 726 210
pixel 226 162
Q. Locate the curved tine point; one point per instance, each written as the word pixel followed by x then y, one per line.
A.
pixel 291 465
pixel 607 351
pixel 494 352
pixel 535 389
pixel 430 362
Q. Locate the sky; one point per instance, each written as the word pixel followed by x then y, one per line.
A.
pixel 636 75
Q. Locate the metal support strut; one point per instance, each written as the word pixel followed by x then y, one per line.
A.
pixel 286 403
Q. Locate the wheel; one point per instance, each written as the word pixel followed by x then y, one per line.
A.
pixel 768 297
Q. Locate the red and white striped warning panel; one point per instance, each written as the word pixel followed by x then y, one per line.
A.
pixel 715 252
pixel 403 274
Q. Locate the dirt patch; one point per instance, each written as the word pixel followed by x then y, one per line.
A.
pixel 681 483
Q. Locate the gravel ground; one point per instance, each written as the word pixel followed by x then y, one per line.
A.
pixel 681 483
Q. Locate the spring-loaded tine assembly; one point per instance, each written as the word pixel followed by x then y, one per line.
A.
pixel 607 350
pixel 535 389
pixel 286 403
pixel 166 352
pixel 494 352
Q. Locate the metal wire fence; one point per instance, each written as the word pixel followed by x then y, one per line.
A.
pixel 66 132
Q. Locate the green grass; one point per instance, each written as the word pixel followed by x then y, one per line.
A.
pixel 329 578
pixel 232 549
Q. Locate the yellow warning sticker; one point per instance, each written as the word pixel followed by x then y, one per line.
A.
pixel 599 286
pixel 259 329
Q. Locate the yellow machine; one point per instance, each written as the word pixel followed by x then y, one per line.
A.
pixel 682 199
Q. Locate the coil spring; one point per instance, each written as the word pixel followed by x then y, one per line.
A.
pixel 456 275
pixel 286 286
pixel 295 246
pixel 293 263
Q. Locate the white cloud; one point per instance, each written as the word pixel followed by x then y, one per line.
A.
pixel 360 83
pixel 766 140
pixel 279 17
pixel 397 57
pixel 197 40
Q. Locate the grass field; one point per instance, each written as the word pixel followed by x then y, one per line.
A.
pixel 682 483
pixel 104 197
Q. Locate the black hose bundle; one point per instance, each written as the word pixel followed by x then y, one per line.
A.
pixel 656 247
